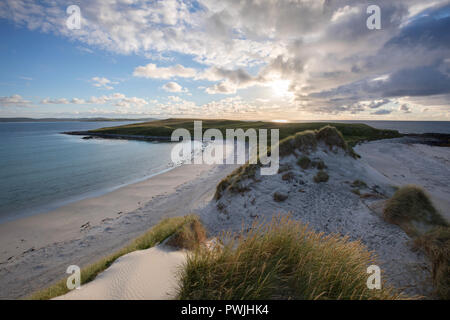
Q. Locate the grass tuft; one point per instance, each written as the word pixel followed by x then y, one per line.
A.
pixel 304 162
pixel 289 176
pixel 304 141
pixel 155 235
pixel 321 176
pixel 436 244
pixel 319 164
pixel 359 184
pixel 332 137
pixel 411 209
pixel 280 260
pixel 233 182
pixel 189 236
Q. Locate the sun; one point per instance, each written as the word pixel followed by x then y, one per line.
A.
pixel 280 88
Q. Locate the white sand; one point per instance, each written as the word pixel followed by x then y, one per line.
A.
pixel 141 275
pixel 419 164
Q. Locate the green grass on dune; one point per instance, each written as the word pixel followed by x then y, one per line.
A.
pixel 280 260
pixel 412 209
pixel 189 236
pixel 157 234
pixel 304 142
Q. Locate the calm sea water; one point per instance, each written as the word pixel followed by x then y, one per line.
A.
pixel 41 169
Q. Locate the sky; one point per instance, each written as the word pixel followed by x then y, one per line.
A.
pixel 248 59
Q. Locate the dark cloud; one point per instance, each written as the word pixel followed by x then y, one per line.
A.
pixel 430 30
pixel 405 108
pixel 421 81
pixel 414 62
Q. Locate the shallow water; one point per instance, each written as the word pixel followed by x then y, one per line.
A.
pixel 41 169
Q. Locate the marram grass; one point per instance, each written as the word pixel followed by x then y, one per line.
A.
pixel 283 259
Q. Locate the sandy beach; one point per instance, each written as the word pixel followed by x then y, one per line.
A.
pixel 38 249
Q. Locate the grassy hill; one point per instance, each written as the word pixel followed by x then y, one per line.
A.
pixel 353 133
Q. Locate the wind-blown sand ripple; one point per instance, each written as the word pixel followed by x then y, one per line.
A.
pixel 141 275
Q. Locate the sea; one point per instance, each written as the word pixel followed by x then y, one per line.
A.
pixel 42 169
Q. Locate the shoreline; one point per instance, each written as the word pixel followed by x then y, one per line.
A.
pixel 63 221
pixel 38 249
pixel 77 198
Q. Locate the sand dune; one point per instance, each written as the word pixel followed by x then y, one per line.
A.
pixel 332 207
pixel 141 275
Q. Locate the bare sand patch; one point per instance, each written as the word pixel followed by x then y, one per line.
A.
pixel 141 275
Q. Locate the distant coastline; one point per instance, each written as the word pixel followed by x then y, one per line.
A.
pixel 97 119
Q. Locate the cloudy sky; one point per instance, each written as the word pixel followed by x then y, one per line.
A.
pixel 248 59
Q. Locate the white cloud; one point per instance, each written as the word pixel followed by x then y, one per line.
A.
pixel 55 101
pixel 151 70
pixel 14 101
pixel 174 87
pixel 101 82
pixel 77 101
pixel 224 87
pixel 343 12
pixel 131 102
pixel 115 99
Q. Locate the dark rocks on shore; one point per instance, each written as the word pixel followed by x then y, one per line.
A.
pixel 431 139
